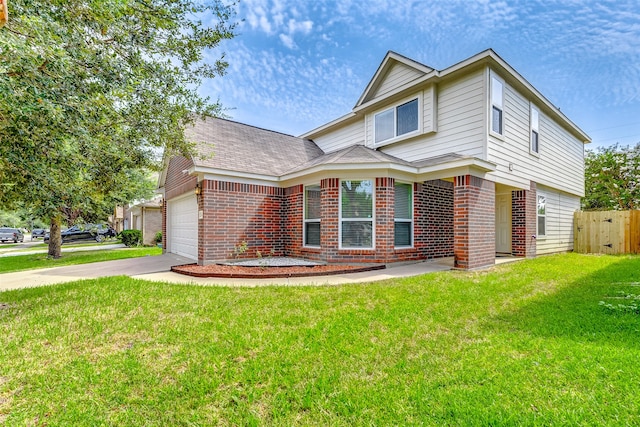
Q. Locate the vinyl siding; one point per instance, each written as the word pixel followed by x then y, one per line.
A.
pixel 560 209
pixel 397 76
pixel 560 162
pixel 346 136
pixel 460 122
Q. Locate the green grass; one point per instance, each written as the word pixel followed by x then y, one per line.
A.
pixel 33 261
pixel 523 344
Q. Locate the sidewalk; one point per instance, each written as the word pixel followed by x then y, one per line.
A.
pixel 78 249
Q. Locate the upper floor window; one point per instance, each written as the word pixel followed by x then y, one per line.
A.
pixel 312 213
pixel 542 216
pixel 535 132
pixel 403 216
pixel 497 119
pixel 396 121
pixel 356 214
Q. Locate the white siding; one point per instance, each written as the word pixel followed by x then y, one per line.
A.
pixel 460 122
pixel 343 137
pixel 560 163
pixel 560 209
pixel 397 76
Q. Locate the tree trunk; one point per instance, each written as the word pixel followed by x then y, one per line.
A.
pixel 55 239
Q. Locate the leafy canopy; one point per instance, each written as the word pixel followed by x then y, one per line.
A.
pixel 612 178
pixel 91 91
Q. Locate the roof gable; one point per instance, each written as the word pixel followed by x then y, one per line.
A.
pixel 394 71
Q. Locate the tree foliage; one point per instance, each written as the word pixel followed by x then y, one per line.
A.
pixel 91 91
pixel 612 178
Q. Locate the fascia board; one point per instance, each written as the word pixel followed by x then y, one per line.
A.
pixel 349 167
pixel 221 174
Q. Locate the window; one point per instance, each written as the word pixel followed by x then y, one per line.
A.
pixel 312 215
pixel 496 106
pixel 403 217
pixel 542 216
pixel 396 121
pixel 356 214
pixel 535 133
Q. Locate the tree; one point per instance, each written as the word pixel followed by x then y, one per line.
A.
pixel 91 91
pixel 612 178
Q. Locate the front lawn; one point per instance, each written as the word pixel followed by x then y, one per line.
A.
pixel 523 344
pixel 33 261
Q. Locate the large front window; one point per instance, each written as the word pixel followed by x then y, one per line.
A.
pixel 396 121
pixel 403 217
pixel 312 215
pixel 356 214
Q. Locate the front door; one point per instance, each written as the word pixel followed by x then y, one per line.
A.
pixel 503 223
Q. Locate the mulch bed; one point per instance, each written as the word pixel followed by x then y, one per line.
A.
pixel 240 272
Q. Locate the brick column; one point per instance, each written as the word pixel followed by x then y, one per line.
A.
pixel 384 214
pixel 474 224
pixel 329 221
pixel 523 222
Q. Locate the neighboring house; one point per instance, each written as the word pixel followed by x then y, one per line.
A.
pixel 470 161
pixel 144 216
pixel 147 217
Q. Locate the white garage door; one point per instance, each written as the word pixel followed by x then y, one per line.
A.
pixel 183 226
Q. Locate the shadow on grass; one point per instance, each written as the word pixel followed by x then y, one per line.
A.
pixel 574 312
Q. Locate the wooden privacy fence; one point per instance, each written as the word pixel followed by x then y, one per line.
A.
pixel 607 232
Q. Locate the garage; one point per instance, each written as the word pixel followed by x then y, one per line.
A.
pixel 182 224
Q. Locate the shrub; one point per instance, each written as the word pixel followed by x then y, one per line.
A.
pixel 131 237
pixel 158 237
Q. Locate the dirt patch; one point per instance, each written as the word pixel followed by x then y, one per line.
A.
pixel 240 272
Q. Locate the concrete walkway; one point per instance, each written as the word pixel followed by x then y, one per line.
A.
pixel 157 268
pixel 9 252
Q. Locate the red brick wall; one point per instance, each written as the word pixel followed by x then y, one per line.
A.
pixel 433 213
pixel 235 213
pixel 523 222
pixel 474 222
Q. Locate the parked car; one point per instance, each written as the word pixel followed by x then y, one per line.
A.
pixel 38 232
pixel 97 232
pixel 8 234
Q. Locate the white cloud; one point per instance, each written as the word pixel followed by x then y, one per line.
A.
pixel 287 41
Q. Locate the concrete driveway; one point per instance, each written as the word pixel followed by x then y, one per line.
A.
pixel 129 267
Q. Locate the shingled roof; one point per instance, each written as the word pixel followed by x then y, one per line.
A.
pixel 231 146
pixel 356 154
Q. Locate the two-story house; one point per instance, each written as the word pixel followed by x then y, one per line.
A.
pixel 470 161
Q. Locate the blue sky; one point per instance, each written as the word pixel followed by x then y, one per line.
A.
pixel 296 65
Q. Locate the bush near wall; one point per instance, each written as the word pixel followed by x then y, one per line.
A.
pixel 131 237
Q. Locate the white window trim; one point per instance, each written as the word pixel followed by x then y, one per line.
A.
pixel 404 219
pixel 534 127
pixel 305 220
pixel 373 217
pixel 492 77
pixel 546 225
pixel 407 135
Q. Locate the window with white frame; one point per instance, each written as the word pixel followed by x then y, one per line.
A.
pixel 403 217
pixel 542 216
pixel 535 132
pixel 497 96
pixel 312 213
pixel 396 121
pixel 356 214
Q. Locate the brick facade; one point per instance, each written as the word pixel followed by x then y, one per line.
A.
pixel 270 220
pixel 234 213
pixel 523 222
pixel 474 222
